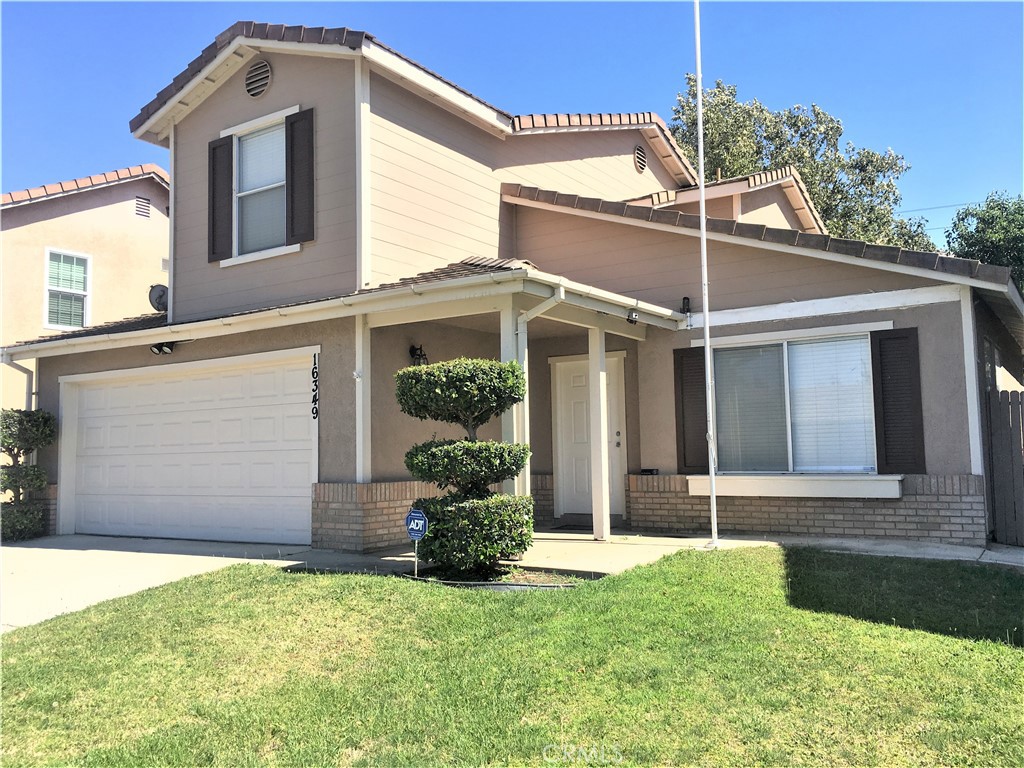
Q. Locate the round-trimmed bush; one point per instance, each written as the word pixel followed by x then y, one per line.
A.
pixel 467 466
pixel 23 520
pixel 473 534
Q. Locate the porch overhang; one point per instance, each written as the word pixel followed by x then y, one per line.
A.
pixel 583 305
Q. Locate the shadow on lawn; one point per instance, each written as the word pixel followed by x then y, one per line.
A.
pixel 949 598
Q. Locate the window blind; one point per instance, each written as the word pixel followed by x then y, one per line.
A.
pixel 750 409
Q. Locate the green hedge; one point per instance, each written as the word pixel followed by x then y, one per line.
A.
pixel 468 466
pixel 23 520
pixel 26 478
pixel 464 391
pixel 473 534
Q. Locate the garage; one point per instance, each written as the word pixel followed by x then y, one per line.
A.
pixel 224 450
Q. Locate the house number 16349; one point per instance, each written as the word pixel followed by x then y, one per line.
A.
pixel 315 375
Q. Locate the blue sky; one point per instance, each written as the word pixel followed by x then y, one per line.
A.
pixel 940 83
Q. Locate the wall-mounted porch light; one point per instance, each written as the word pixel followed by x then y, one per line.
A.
pixel 417 355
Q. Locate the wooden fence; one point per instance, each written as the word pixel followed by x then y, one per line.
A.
pixel 1007 451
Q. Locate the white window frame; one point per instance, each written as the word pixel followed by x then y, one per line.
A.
pixel 784 338
pixel 87 311
pixel 237 132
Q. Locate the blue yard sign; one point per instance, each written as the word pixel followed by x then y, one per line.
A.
pixel 416 524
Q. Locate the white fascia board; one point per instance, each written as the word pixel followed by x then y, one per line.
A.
pixel 331 51
pixel 346 306
pixel 584 128
pixel 884 266
pixel 410 76
pixel 838 305
pixel 204 74
pixel 800 486
pixel 589 297
pixel 821 332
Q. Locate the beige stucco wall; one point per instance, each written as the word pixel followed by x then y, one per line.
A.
pixel 434 197
pixel 337 387
pixel 594 164
pixel 716 207
pixel 323 267
pixel 125 251
pixel 943 382
pixel 768 206
pixel 665 266
pixel 394 432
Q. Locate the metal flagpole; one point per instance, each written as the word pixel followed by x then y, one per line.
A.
pixel 709 375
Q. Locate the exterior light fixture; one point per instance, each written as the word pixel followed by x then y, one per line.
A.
pixel 417 355
pixel 686 305
pixel 632 317
pixel 163 348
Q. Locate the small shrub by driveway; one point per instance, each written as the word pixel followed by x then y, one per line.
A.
pixel 722 658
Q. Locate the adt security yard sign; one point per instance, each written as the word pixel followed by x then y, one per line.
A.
pixel 416 524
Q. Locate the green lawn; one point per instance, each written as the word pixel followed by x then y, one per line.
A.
pixel 757 656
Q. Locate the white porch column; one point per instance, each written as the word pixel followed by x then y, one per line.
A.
pixel 522 411
pixel 363 401
pixel 508 353
pixel 598 381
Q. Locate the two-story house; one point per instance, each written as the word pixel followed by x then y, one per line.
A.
pixel 339 212
pixel 78 253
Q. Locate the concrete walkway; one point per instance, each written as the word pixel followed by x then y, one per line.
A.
pixel 59 574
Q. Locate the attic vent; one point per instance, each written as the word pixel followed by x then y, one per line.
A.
pixel 257 79
pixel 639 159
pixel 142 206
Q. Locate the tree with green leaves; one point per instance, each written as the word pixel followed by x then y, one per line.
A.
pixel 853 188
pixel 992 232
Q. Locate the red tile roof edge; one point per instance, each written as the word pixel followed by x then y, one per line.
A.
pixel 86 182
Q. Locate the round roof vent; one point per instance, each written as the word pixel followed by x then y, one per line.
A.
pixel 640 159
pixel 257 79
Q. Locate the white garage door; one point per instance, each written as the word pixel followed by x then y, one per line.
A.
pixel 224 452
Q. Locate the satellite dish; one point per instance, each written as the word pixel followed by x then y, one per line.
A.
pixel 158 297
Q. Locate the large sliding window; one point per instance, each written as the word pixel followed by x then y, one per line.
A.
pixel 800 406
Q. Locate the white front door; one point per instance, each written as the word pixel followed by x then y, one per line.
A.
pixel 571 433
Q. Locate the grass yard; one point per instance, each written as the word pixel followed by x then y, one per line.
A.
pixel 755 656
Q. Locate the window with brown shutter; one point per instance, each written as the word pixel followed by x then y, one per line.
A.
pixel 899 423
pixel 691 411
pixel 261 195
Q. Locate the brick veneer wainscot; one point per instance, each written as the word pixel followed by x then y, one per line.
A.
pixel 942 509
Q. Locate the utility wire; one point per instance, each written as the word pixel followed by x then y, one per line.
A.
pixel 936 207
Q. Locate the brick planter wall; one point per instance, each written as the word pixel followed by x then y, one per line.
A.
pixel 362 517
pixel 942 509
pixel 542 488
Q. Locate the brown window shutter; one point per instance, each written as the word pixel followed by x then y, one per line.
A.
pixel 899 424
pixel 299 176
pixel 691 411
pixel 221 225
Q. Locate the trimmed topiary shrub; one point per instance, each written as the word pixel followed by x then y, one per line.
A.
pixel 470 528
pixel 21 433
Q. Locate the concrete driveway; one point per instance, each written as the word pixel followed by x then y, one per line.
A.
pixel 59 574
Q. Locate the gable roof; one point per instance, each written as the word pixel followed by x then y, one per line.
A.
pixel 650 124
pixel 240 42
pixel 96 181
pixel 788 177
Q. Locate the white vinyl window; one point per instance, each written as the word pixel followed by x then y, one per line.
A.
pixel 67 290
pixel 260 190
pixel 796 406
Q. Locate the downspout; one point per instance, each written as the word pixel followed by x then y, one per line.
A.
pixel 29 379
pixel 522 350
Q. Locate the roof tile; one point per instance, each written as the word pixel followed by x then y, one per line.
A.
pixel 811 240
pixel 661 216
pixel 722 226
pixel 87 182
pixel 589 204
pixel 746 229
pixel 920 259
pixel 784 236
pixel 846 247
pixel 887 253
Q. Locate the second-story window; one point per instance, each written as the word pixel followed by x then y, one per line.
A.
pixel 261 193
pixel 260 211
pixel 67 290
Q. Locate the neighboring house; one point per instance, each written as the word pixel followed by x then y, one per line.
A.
pixel 76 254
pixel 338 209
